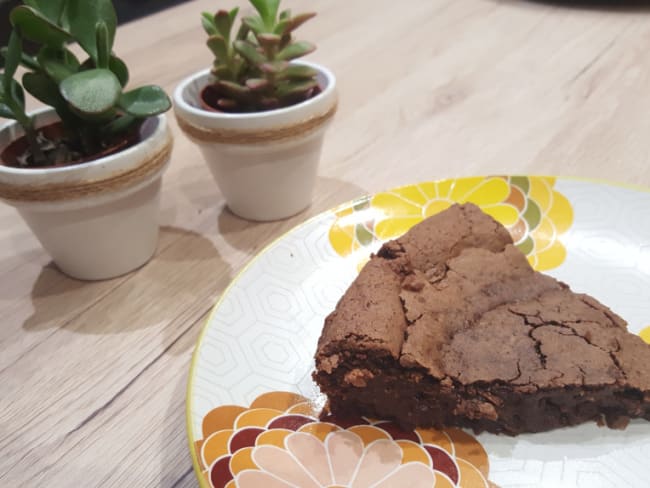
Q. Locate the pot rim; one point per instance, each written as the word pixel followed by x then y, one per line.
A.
pixel 47 111
pixel 181 103
pixel 101 180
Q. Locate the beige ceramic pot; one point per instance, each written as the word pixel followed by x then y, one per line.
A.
pixel 265 163
pixel 98 219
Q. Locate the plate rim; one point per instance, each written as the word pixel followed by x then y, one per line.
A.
pixel 348 203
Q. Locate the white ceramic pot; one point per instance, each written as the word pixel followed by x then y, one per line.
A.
pixel 265 163
pixel 98 219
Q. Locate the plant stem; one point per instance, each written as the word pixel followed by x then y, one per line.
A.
pixel 119 125
pixel 88 141
pixel 30 133
pixel 37 153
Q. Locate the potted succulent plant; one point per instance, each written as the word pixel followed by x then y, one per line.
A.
pixel 84 173
pixel 259 115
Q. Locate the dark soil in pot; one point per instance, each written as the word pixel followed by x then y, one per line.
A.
pixel 63 150
pixel 211 96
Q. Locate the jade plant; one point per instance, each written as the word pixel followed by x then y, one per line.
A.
pixel 88 95
pixel 251 68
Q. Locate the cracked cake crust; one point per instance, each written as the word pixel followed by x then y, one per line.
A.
pixel 450 326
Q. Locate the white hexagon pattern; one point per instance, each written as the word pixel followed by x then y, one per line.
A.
pixel 263 332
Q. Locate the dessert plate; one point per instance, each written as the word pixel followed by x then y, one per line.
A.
pixel 253 409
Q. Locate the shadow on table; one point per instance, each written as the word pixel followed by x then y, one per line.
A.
pixel 251 237
pixel 133 301
pixel 616 6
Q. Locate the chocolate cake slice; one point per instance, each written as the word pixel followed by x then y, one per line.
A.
pixel 449 325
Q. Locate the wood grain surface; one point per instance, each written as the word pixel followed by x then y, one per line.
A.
pixel 93 375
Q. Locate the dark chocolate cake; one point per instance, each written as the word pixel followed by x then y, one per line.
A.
pixel 449 325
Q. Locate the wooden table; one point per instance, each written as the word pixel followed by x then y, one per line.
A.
pixel 93 375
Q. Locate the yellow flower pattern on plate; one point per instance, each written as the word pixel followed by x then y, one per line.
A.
pixel 645 334
pixel 529 207
pixel 279 442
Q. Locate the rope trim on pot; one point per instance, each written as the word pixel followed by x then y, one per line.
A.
pixel 70 191
pixel 231 136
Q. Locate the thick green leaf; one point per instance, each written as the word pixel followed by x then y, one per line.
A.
pixel 269 40
pixel 281 27
pixel 297 71
pixel 103 48
pixel 36 27
pixel 29 62
pixel 115 64
pixel 82 17
pixel 91 92
pixel 268 10
pixel 296 50
pixel 25 59
pixel 119 69
pixel 145 101
pixel 52 9
pixel 297 21
pixel 17 94
pixel 223 23
pixel 257 84
pixel 262 9
pixel 207 21
pixel 70 60
pixel 233 89
pixel 285 15
pixel 233 14
pixel 43 88
pixel 288 25
pixel 243 32
pixel 238 65
pixel 274 5
pixel 249 51
pixel 59 63
pixel 13 104
pixel 12 59
pixel 119 125
pixel 221 71
pixel 255 24
pixel 217 45
pixel 274 67
pixel 293 88
pixel 6 112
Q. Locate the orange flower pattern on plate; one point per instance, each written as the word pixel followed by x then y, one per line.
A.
pixel 279 442
pixel 529 207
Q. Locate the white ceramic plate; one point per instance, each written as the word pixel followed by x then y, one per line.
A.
pixel 262 334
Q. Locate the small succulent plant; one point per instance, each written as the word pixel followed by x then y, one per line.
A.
pixel 251 68
pixel 88 95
